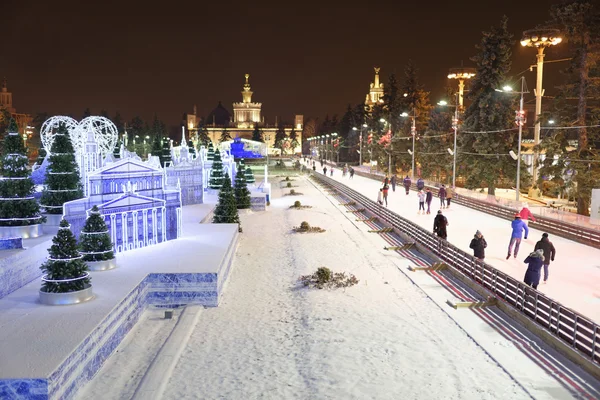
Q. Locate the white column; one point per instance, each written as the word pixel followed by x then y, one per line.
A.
pixel 135 229
pixel 124 230
pixel 145 224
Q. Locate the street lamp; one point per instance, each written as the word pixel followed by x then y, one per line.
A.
pixel 540 39
pixel 455 127
pixel 461 74
pixel 520 120
pixel 333 136
pixel 327 147
pixel 413 132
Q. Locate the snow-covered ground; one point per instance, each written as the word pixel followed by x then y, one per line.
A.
pixel 574 278
pixel 382 339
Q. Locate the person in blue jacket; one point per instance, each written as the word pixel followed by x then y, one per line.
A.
pixel 517 233
pixel 420 184
pixel 534 269
pixel 407 182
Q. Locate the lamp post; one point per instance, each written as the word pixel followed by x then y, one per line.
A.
pixel 455 127
pixel 540 39
pixel 334 136
pixel 520 120
pixel 461 74
pixel 413 132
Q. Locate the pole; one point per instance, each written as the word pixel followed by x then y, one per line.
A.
pixel 539 92
pixel 413 131
pixel 461 90
pixel 454 160
pixel 360 146
pixel 520 134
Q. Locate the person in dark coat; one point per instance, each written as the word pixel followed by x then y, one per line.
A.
pixel 351 172
pixel 314 167
pixel 442 194
pixel 393 181
pixel 478 244
pixel 439 225
pixel 535 261
pixel 325 171
pixel 428 199
pixel 385 190
pixel 386 181
pixel 549 252
pixel 407 182
pixel 420 184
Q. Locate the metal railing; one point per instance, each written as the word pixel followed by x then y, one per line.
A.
pixel 572 328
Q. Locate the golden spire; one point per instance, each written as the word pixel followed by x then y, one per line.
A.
pixel 247 93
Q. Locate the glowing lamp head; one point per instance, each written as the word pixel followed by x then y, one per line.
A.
pixel 381 120
pixel 404 114
pixel 507 88
pixel 443 103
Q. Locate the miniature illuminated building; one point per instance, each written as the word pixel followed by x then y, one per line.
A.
pixel 132 197
pixel 375 95
pixel 540 39
pixel 23 120
pixel 186 174
pixel 461 74
pixel 246 113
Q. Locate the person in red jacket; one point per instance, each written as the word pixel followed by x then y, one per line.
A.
pixel 526 214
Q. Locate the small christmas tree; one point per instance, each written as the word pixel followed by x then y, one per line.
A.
pixel 94 242
pixel 226 211
pixel 18 207
pixel 249 175
pixel 157 148
pixel 210 155
pixel 62 177
pixel 64 264
pixel 117 149
pixel 242 194
pixel 216 173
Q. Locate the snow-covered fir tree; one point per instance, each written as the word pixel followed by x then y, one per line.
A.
pixel 18 207
pixel 216 172
pixel 248 175
pixel 94 241
pixel 242 194
pixel 64 263
pixel 226 210
pixel 62 176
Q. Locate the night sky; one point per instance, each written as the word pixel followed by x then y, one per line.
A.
pixel 311 59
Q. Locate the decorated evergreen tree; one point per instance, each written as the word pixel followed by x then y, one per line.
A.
pixel 226 210
pixel 157 148
pixel 62 177
pixel 210 155
pixel 249 175
pixel 117 149
pixel 438 137
pixel 165 156
pixel 293 140
pixel 94 242
pixel 18 207
pixel 64 263
pixel 203 138
pixel 216 172
pixel 488 132
pixel 242 194
pixel 280 138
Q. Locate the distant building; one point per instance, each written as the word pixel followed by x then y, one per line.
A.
pixel 246 115
pixel 23 120
pixel 375 95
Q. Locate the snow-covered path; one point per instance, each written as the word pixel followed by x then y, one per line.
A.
pixel 381 339
pixel 574 275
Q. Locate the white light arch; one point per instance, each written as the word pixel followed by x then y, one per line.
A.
pixel 104 131
pixel 51 125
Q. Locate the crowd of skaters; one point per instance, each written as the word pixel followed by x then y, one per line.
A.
pixel 544 251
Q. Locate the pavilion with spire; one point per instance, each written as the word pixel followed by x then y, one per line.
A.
pixel 375 95
pixel 246 115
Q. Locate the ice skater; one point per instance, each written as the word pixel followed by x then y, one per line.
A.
pixel 428 199
pixel 380 196
pixel 549 252
pixel 478 244
pixel 442 194
pixel 385 190
pixel 325 171
pixel 351 172
pixel 420 184
pixel 518 226
pixel 421 196
pixel 407 182
pixel 526 214
pixel 331 172
pixel 439 225
pixel 449 196
pixel 393 181
pixel 535 261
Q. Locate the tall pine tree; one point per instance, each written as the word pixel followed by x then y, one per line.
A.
pixel 226 210
pixel 257 134
pixel 293 140
pixel 210 153
pixel 64 263
pixel 577 105
pixel 18 207
pixel 280 138
pixel 216 172
pixel 62 176
pixel 488 132
pixel 225 136
pixel 248 175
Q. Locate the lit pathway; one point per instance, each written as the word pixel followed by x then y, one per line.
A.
pixel 574 275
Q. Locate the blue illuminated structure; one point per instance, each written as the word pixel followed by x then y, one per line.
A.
pixel 237 150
